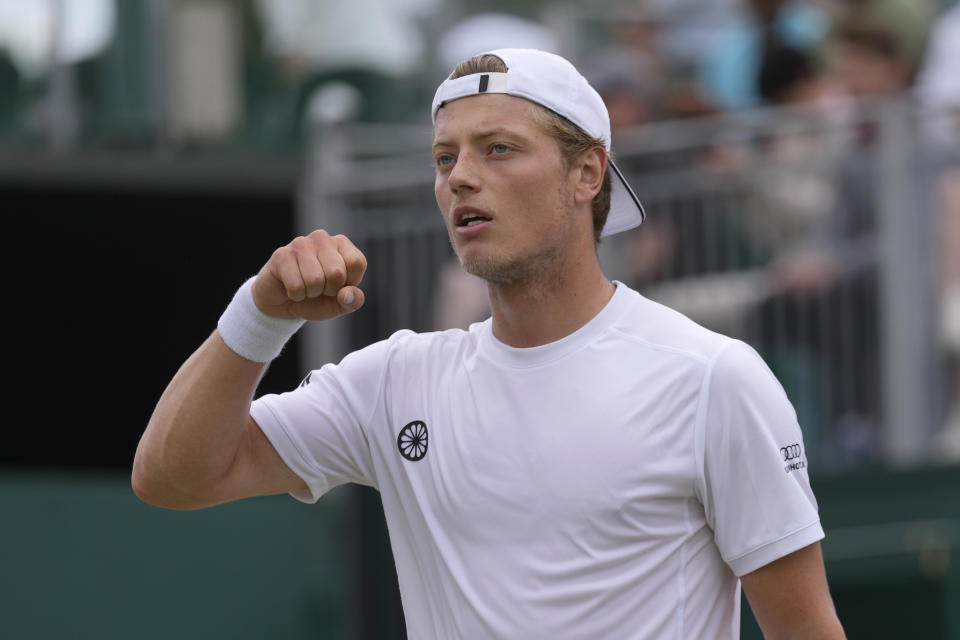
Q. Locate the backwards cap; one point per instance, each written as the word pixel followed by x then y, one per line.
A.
pixel 552 82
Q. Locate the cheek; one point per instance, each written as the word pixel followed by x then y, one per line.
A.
pixel 538 188
pixel 441 192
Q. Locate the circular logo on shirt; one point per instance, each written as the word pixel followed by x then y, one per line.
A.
pixel 412 441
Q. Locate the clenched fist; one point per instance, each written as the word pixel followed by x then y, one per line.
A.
pixel 314 278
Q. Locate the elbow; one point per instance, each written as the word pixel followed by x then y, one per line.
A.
pixel 156 490
pixel 146 477
pixel 144 485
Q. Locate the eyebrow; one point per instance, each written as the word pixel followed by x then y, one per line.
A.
pixel 484 135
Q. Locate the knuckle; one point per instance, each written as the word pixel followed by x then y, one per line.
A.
pixel 336 275
pixel 319 235
pixel 299 244
pixel 295 290
pixel 354 257
pixel 313 279
pixel 344 244
pixel 360 261
pixel 284 254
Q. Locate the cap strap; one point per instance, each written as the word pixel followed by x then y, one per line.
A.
pixel 469 86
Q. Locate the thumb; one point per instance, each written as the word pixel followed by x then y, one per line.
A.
pixel 350 298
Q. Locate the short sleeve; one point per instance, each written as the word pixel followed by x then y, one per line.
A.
pixel 318 429
pixel 755 485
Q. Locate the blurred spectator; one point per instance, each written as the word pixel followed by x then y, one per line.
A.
pixel 869 59
pixel 789 171
pixel 871 65
pixel 486 31
pixel 627 72
pixel 628 96
pixel 826 301
pixel 322 34
pixel 907 20
pixel 41 47
pixel 77 30
pixel 795 177
pixel 691 28
pixel 787 75
pixel 728 72
pixel 938 83
pixel 367 44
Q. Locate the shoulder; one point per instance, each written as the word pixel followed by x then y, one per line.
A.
pixel 661 328
pixel 404 355
pixel 413 341
pixel 742 389
pixel 407 346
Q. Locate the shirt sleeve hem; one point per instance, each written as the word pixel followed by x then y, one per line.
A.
pixel 753 560
pixel 286 448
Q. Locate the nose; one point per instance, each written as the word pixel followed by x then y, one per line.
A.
pixel 464 174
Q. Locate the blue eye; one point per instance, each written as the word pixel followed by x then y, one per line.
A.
pixel 500 148
pixel 444 160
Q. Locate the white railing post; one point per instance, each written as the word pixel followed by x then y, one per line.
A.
pixel 906 305
pixel 326 164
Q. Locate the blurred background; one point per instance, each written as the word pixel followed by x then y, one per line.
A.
pixel 799 163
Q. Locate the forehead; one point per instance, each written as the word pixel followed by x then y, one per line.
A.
pixel 482 112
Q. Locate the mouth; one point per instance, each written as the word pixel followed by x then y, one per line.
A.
pixel 465 217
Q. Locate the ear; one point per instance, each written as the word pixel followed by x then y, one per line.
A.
pixel 589 171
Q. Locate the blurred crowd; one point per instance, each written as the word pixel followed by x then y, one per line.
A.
pixel 754 131
pixel 651 59
pixel 804 281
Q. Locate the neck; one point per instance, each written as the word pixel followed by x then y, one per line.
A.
pixel 550 305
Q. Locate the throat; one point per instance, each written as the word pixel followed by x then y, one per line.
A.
pixel 537 314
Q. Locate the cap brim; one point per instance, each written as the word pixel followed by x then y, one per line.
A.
pixel 626 212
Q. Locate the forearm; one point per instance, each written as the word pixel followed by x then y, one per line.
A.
pixel 791 600
pixel 197 427
pixel 201 447
pixel 821 626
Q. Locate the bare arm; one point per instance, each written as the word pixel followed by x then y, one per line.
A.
pixel 201 447
pixel 791 600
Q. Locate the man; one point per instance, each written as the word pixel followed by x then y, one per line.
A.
pixel 585 464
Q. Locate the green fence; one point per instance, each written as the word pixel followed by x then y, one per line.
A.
pixel 81 557
pixel 892 553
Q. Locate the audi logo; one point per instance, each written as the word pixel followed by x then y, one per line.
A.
pixel 790 452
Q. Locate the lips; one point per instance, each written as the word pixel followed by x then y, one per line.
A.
pixel 472 219
pixel 467 217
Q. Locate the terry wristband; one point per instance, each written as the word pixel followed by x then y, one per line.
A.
pixel 250 332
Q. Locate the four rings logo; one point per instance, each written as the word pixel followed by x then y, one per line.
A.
pixel 790 452
pixel 412 441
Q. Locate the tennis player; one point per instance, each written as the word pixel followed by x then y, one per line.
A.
pixel 584 464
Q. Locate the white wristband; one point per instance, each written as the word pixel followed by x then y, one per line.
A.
pixel 250 332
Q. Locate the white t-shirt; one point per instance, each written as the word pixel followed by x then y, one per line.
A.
pixel 612 484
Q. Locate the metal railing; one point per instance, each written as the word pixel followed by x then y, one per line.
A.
pixel 812 235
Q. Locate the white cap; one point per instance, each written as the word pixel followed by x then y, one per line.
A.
pixel 551 81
